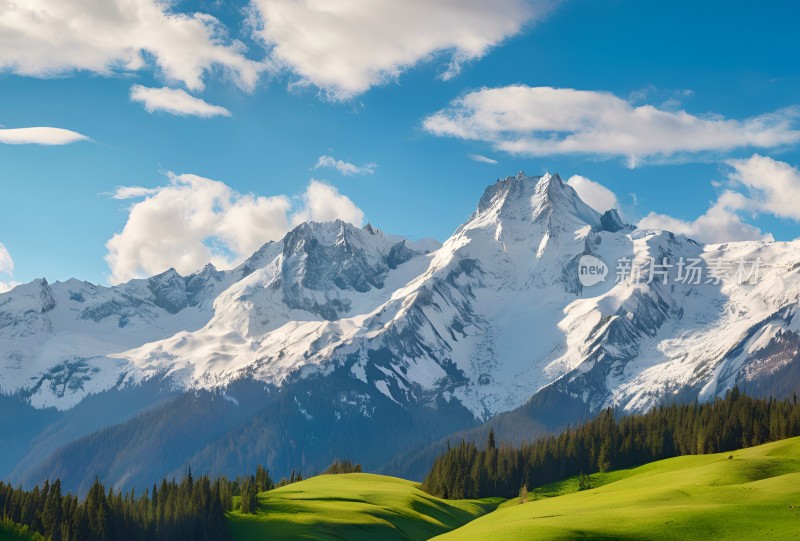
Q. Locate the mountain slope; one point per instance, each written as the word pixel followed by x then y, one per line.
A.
pixel 57 338
pixel 488 319
pixel 65 341
pixel 754 494
pixel 349 331
pixel 455 323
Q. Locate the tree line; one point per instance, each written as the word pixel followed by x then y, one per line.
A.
pixel 343 466
pixel 193 509
pixel 612 442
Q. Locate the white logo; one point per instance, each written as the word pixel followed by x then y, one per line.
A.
pixel 591 270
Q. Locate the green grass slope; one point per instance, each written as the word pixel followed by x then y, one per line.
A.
pixel 755 495
pixel 354 506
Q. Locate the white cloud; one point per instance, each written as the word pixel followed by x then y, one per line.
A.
pixel 543 121
pixel 756 185
pixel 482 159
pixel 345 47
pixel 345 168
pixel 42 38
pixel 40 136
pixel 175 101
pixel 323 203
pixel 7 268
pixel 6 262
pixel 720 223
pixel 771 186
pixel 133 192
pixel 594 194
pixel 7 286
pixel 195 220
pixel 4 286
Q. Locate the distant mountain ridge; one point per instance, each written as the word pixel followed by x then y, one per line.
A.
pixel 348 329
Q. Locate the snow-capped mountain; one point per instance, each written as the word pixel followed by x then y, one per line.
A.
pixel 55 339
pixel 299 301
pixel 64 341
pixel 488 319
pixel 483 322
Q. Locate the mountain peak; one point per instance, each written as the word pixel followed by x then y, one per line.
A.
pixel 533 199
pixel 332 233
pixel 556 200
pixel 611 221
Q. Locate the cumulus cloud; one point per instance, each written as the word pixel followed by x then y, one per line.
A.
pixel 756 185
pixel 195 220
pixel 42 38
pixel 544 121
pixel 323 203
pixel 482 159
pixel 7 269
pixel 6 262
pixel 175 101
pixel 720 223
pixel 345 47
pixel 345 168
pixel 7 286
pixel 771 186
pixel 39 136
pixel 594 194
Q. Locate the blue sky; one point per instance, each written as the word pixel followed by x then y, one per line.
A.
pixel 711 72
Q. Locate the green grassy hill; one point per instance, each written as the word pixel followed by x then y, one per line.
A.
pixel 754 495
pixel 354 506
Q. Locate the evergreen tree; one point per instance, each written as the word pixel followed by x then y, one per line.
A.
pixel 342 466
pixel 609 442
pixel 249 499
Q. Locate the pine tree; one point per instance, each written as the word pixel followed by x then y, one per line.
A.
pixel 608 442
pixel 490 443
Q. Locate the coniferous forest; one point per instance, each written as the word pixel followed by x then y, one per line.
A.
pixel 609 442
pixel 193 509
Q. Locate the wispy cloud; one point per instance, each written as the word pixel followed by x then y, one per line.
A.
pixel 544 121
pixel 175 101
pixel 40 136
pixel 132 192
pixel 482 159
pixel 345 168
